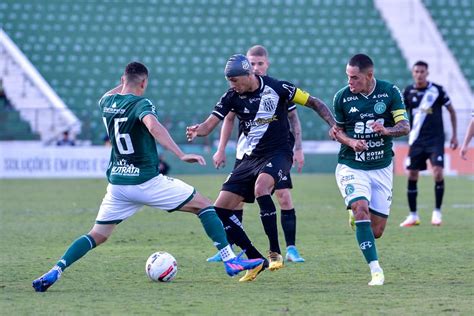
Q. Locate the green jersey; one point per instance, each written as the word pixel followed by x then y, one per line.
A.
pixel 357 112
pixel 134 157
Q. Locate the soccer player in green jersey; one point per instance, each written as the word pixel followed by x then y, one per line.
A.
pixel 258 58
pixel 369 113
pixel 134 178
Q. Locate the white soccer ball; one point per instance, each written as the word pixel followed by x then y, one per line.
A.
pixel 161 267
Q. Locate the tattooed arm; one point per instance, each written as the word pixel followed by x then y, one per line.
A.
pixel 402 128
pixel 322 109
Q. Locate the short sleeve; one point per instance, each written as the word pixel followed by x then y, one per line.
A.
pixel 445 100
pixel 338 112
pixel 398 109
pixel 222 108
pixel 145 107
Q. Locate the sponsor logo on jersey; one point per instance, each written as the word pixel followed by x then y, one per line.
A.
pixel 123 168
pixel 260 121
pixel 246 110
pixel 113 110
pixel 366 244
pixel 353 109
pixel 380 107
pixel 359 127
pixel 252 100
pixel 349 99
pixel 369 155
pixel 380 95
pixel 374 144
pixel 269 165
pixel 365 115
pixel 347 178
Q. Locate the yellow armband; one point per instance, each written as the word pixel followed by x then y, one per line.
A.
pixel 399 115
pixel 301 97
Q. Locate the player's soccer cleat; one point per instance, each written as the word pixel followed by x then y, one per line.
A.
pixel 46 280
pixel 352 223
pixel 377 278
pixel 411 220
pixel 252 274
pixel 236 265
pixel 215 258
pixel 436 218
pixel 293 255
pixel 275 261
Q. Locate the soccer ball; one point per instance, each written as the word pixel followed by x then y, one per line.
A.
pixel 161 267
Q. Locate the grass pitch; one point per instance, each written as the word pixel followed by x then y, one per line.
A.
pixel 428 270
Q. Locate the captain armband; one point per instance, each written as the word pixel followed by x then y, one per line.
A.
pixel 399 115
pixel 301 97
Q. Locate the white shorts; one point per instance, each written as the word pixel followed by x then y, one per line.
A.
pixel 122 201
pixel 373 185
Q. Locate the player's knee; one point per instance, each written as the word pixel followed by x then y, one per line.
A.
pixel 378 232
pixel 261 190
pixel 361 212
pixel 98 238
pixel 284 199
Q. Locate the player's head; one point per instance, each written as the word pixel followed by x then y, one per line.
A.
pixel 238 73
pixel 420 73
pixel 258 58
pixel 360 73
pixel 135 76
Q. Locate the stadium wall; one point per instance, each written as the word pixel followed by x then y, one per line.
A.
pixel 33 160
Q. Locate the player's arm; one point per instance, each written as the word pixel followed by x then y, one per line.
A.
pixel 467 139
pixel 295 125
pixel 203 129
pixel 226 132
pixel 454 138
pixel 341 136
pixel 162 136
pixel 303 98
pixel 400 118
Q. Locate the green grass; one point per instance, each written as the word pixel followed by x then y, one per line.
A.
pixel 428 270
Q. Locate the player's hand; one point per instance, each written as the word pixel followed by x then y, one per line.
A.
pixel 193 158
pixel 378 127
pixel 359 145
pixel 453 143
pixel 333 132
pixel 191 132
pixel 298 159
pixel 219 159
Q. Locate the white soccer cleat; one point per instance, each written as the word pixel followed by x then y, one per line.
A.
pixel 436 218
pixel 411 220
pixel 377 278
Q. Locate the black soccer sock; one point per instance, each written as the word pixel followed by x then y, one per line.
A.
pixel 412 193
pixel 269 221
pixel 236 233
pixel 439 193
pixel 239 215
pixel 288 222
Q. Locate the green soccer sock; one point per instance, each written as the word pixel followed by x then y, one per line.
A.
pixel 213 227
pixel 366 240
pixel 76 251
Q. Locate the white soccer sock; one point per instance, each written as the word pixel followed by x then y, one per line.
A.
pixel 227 253
pixel 375 266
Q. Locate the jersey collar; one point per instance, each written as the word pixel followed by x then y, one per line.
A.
pixel 373 89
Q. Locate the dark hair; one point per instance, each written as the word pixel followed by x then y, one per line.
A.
pixel 362 61
pixel 257 50
pixel 421 63
pixel 135 72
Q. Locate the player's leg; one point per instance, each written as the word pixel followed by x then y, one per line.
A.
pixel 238 212
pixel 172 194
pixel 115 207
pixel 355 187
pixel 288 221
pixel 416 162
pixel 437 162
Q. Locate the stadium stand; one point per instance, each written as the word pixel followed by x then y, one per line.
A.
pixel 81 48
pixel 455 20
